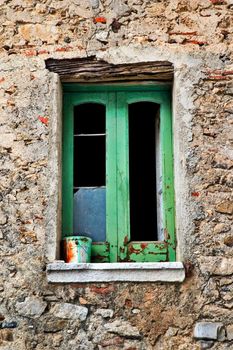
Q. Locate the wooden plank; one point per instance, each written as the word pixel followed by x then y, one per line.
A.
pixel 92 70
pixel 120 87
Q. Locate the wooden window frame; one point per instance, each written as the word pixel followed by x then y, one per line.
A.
pixel 118 246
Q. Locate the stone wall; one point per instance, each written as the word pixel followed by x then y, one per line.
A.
pixel 196 36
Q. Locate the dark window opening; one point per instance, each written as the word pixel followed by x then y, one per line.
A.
pixel 89 145
pixel 89 118
pixel 142 171
pixel 89 161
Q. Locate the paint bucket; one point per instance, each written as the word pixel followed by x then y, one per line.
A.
pixel 77 249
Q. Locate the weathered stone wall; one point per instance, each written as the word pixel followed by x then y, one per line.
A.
pixel 196 36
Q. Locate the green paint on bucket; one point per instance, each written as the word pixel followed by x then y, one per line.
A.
pixel 77 249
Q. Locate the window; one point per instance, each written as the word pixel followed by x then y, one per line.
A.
pixel 118 171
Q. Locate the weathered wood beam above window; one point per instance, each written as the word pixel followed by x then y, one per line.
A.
pixel 93 70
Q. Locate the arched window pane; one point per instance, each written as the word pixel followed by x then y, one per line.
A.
pixel 144 171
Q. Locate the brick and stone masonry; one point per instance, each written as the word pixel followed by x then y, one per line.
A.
pixel 196 37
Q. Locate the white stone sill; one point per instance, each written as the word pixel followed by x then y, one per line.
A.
pixel 60 272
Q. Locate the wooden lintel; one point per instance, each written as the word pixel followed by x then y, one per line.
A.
pixel 93 70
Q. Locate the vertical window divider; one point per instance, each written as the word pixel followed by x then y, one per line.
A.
pixel 111 176
pixel 122 176
pixel 67 167
pixel 168 177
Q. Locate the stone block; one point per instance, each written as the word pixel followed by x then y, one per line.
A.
pixel 32 32
pixel 206 344
pixel 216 265
pixel 94 3
pixel 122 328
pixel 11 324
pixel 53 326
pixel 70 311
pixel 102 36
pixel 230 332
pixel 105 313
pixel 228 241
pixel 209 330
pixel 6 335
pixel 3 219
pixel 7 140
pixel 220 228
pixel 31 307
pixel 225 207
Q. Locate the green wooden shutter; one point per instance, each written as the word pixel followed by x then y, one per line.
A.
pixel 118 246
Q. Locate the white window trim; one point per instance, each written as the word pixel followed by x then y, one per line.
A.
pixel 61 272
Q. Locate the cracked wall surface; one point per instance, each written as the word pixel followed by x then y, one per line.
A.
pixel 196 36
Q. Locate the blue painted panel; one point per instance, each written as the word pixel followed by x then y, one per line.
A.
pixel 90 213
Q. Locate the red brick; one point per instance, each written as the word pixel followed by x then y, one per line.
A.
pixel 217 77
pixel 43 120
pixel 100 20
pixel 219 74
pixel 42 52
pixel 63 49
pixel 183 33
pixel 102 290
pixel 218 2
pixel 195 42
pixel 228 72
pixel 30 53
pixel 195 194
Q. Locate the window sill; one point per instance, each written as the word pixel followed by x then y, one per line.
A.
pixel 60 272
